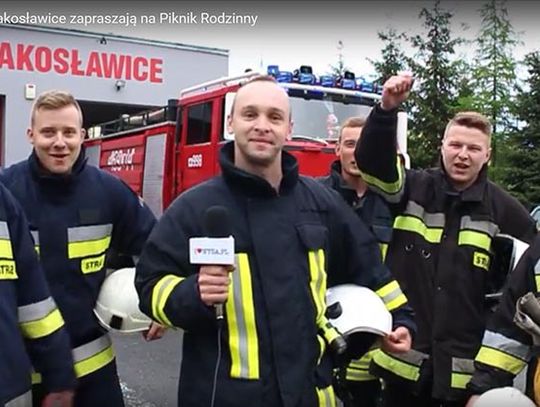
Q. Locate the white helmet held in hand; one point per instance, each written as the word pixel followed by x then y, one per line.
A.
pixel 359 315
pixel 504 397
pixel 117 306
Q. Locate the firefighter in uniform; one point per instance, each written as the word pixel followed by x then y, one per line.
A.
pixel 288 231
pixel 356 386
pixel 445 220
pixel 76 212
pixel 506 348
pixel 31 326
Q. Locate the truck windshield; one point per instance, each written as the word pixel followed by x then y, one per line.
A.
pixel 316 115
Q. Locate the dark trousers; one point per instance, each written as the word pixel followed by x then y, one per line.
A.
pixel 100 388
pixel 362 394
pixel 396 396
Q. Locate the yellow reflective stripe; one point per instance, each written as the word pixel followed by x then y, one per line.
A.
pixel 388 188
pixel 460 380
pixel 415 225
pixel 88 248
pixel 8 270
pixel 249 314
pixel 476 239
pixel 359 375
pixel 384 249
pixel 387 289
pixel 6 251
pixel 88 358
pixel 537 280
pixel 95 362
pixel 316 260
pixel 322 348
pixel 392 295
pixel 241 322
pixel 358 370
pixel 160 295
pixel 317 284
pixel 398 367
pixel 36 378
pixel 396 302
pixel 42 327
pixel 326 397
pixel 499 359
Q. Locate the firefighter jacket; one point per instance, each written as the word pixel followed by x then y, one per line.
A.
pixel 374 211
pixel 31 326
pixel 506 349
pixel 284 243
pixel 371 208
pixel 440 253
pixel 75 219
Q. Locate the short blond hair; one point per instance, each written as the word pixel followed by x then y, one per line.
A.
pixel 473 120
pixel 353 122
pixel 54 100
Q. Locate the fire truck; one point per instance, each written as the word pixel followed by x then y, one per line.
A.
pixel 162 152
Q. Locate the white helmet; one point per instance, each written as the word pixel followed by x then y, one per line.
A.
pixel 504 397
pixel 117 306
pixel 359 315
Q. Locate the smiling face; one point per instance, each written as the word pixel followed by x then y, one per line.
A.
pixel 260 121
pixel 464 151
pixel 57 137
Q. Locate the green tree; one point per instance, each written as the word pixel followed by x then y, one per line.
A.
pixel 522 175
pixel 339 68
pixel 494 73
pixel 437 75
pixel 392 56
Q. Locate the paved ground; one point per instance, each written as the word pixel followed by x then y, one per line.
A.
pixel 149 370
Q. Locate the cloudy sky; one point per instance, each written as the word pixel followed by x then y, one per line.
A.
pixel 288 33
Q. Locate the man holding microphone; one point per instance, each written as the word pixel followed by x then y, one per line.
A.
pixel 292 239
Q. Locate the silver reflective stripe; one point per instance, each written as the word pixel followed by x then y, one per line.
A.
pixel 462 365
pixel 240 319
pixel 392 295
pixel 24 400
pixel 412 357
pixel 90 349
pixel 510 346
pixel 36 311
pixel 484 226
pixel 432 220
pixel 35 236
pixel 85 233
pixel 4 230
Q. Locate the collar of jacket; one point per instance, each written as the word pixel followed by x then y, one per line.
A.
pixel 340 185
pixel 42 175
pixel 474 193
pixel 254 185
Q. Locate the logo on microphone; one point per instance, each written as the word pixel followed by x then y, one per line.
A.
pixel 212 251
pixel 216 251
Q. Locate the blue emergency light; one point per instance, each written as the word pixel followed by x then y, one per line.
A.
pixel 304 75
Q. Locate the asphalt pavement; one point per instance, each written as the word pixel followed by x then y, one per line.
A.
pixel 149 370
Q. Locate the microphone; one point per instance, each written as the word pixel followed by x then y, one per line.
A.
pixel 218 247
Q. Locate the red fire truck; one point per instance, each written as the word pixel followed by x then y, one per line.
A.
pixel 163 152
